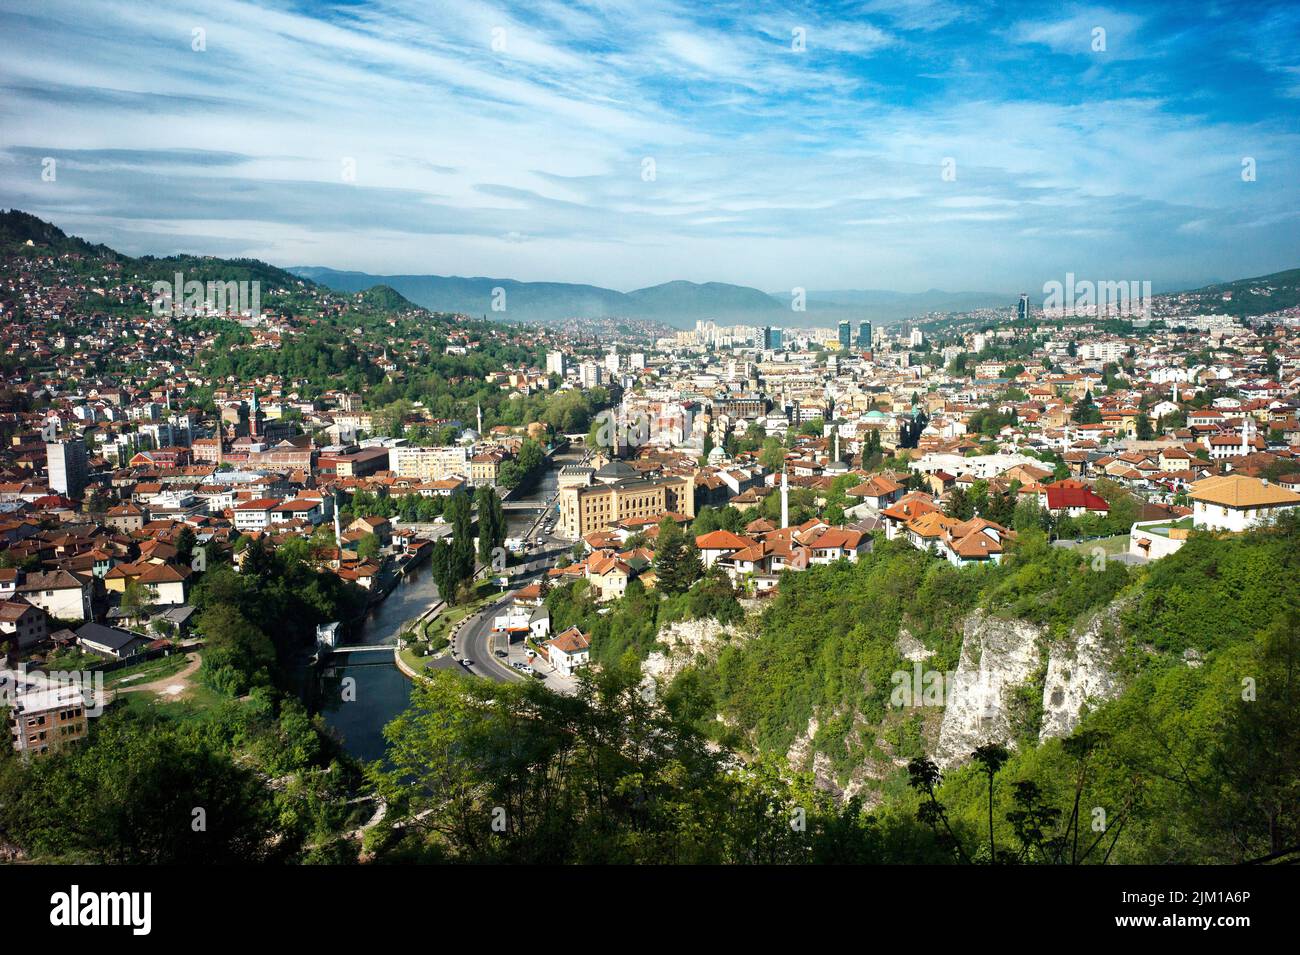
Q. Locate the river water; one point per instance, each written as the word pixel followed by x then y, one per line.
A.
pixel 380 691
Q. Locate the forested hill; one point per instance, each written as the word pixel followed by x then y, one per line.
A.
pixel 26 237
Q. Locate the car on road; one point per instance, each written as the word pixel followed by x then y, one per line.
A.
pixel 467 663
pixel 501 653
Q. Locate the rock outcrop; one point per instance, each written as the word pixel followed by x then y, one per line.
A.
pixel 683 643
pixel 997 656
pixel 1081 673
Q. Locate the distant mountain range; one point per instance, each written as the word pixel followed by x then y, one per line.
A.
pixel 675 303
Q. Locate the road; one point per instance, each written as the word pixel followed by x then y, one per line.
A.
pixel 476 641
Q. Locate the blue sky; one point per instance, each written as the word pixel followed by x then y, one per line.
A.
pixel 773 167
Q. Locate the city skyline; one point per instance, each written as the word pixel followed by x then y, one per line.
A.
pixel 888 145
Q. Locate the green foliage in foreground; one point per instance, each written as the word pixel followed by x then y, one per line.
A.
pixel 488 772
pixel 267 782
pixel 1189 765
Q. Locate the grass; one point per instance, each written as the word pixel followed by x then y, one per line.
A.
pixel 1109 545
pixel 1184 523
pixel 199 701
pixel 148 671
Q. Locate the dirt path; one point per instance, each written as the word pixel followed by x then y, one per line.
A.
pixel 173 686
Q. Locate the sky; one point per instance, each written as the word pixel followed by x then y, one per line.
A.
pixel 890 144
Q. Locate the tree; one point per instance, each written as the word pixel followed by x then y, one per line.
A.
pixel 368 547
pixel 1085 411
pixel 1143 428
pixel 128 796
pixel 670 555
pixel 491 523
pixel 487 772
pixel 691 567
pixel 237 654
pixel 991 757
pixel 137 598
pixel 772 456
pixel 185 542
pixel 959 506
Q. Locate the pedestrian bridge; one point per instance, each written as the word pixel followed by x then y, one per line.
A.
pixel 363 648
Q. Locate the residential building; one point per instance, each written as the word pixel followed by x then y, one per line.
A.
pixel 1237 503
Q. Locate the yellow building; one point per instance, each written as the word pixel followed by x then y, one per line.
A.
pixel 585 510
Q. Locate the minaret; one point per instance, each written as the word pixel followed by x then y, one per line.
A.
pixel 1173 392
pixel 785 500
pixel 338 536
pixel 480 420
pixel 171 437
pixel 1247 432
pixel 837 444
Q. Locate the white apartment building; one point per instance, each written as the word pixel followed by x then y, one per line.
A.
pixel 429 464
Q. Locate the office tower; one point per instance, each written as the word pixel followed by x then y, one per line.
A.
pixel 67 466
pixel 589 374
pixel 772 338
pixel 846 341
pixel 864 335
pixel 1022 310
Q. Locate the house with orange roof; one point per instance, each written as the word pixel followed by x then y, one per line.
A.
pixel 608 576
pixel 838 543
pixel 1237 503
pixel 877 492
pixel 568 651
pixel 719 543
pixel 907 508
pixel 977 541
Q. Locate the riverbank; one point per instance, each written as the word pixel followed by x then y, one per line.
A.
pixel 441 626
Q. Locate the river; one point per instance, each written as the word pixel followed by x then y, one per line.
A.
pixel 380 691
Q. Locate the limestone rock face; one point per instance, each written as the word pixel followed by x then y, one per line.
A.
pixel 684 641
pixel 997 656
pixel 1081 673
pixel 910 648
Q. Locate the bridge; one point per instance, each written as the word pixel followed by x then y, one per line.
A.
pixel 527 505
pixel 363 648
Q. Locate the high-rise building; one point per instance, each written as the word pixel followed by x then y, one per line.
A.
pixel 67 466
pixel 917 338
pixel 771 338
pixel 555 363
pixel 864 335
pixel 1022 310
pixel 846 340
pixel 589 374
